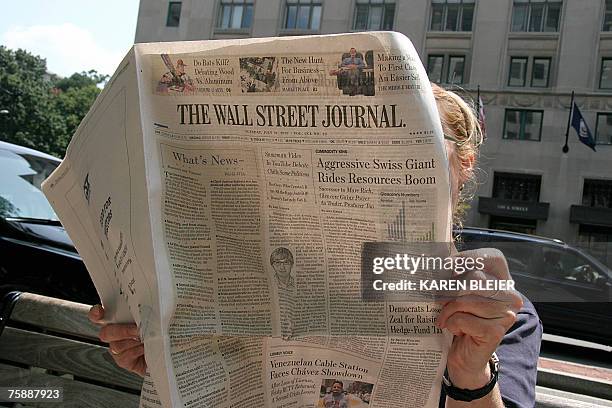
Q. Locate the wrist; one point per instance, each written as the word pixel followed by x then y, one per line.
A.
pixel 467 385
pixel 470 379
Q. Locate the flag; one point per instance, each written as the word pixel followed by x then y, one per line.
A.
pixel 481 118
pixel 579 124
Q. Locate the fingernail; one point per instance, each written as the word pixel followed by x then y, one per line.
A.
pixel 97 309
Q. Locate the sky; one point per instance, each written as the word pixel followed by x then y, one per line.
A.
pixel 72 35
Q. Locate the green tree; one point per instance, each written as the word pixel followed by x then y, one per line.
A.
pixel 81 80
pixel 73 96
pixel 44 110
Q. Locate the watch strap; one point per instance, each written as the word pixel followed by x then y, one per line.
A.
pixel 463 394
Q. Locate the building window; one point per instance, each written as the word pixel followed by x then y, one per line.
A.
pixel 516 186
pixel 452 15
pixel 605 75
pixel 522 124
pixel 597 241
pixel 518 71
pixel 302 15
pixel 520 68
pixel 456 67
pixel 174 14
pixel 603 129
pixel 434 67
pixel 540 72
pixel 607 23
pixel 235 14
pixel 536 15
pixel 374 15
pixel 449 69
pixel 597 193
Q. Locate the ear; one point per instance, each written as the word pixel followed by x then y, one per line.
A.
pixel 467 167
pixel 467 162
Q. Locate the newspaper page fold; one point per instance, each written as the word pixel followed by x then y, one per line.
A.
pixel 221 194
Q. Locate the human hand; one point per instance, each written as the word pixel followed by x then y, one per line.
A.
pixel 478 320
pixel 124 344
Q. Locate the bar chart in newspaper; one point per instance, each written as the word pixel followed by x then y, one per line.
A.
pixel 399 230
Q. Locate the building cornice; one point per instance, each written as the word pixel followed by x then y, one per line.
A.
pixel 544 99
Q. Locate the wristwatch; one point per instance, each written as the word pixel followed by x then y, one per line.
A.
pixel 462 394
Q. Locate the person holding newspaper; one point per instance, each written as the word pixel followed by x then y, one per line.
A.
pixel 493 358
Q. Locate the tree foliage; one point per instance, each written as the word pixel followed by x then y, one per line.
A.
pixel 44 110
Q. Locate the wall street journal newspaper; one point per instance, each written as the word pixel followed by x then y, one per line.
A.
pixel 220 194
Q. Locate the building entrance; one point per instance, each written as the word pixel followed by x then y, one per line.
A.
pixel 513 224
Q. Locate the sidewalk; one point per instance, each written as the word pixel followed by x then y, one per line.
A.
pixel 549 398
pixel 575 378
pixel 597 373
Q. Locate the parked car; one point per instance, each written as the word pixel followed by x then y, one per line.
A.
pixel 571 290
pixel 36 254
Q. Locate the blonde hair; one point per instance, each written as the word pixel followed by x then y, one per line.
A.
pixel 459 121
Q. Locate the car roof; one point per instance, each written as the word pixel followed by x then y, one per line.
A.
pixel 516 236
pixel 510 235
pixel 21 150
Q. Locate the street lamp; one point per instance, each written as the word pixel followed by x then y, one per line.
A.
pixel 4 113
pixel 6 91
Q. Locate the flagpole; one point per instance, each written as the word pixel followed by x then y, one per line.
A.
pixel 569 118
pixel 478 102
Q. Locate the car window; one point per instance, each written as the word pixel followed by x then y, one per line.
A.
pixel 519 255
pixel 20 178
pixel 569 266
pixel 466 240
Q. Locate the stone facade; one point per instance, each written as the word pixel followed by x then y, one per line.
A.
pixel 575 51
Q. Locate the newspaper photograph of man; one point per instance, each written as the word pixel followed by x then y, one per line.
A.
pixel 337 393
pixel 355 73
pixel 258 74
pixel 281 260
pixel 176 78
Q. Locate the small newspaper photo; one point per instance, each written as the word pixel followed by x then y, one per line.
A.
pixel 221 195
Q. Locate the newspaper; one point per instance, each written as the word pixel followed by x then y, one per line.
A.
pixel 220 194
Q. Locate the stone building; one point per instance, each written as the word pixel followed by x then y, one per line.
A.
pixel 526 56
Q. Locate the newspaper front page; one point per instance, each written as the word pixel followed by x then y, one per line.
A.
pixel 221 193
